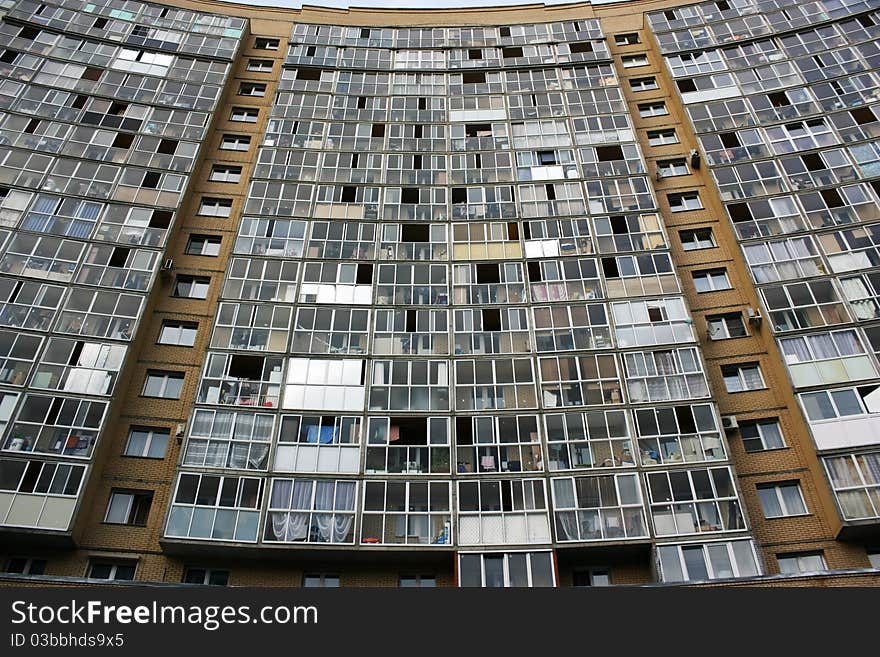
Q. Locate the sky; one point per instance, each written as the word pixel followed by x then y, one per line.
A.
pixel 406 4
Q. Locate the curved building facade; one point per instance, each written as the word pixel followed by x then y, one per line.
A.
pixel 531 296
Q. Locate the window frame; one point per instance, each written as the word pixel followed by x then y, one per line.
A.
pixel 152 433
pixel 165 377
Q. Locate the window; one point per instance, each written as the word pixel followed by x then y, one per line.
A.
pixel 711 280
pixel 654 322
pixel 257 89
pixel 669 168
pixel 25 566
pixel 592 577
pixel 129 507
pixel 715 560
pixel 215 207
pixel 244 114
pixel 684 201
pixel 793 563
pixel 507 511
pixel 760 435
pixel 407 512
pixel 595 508
pixel 781 499
pixel 740 377
pixel 116 569
pixel 632 61
pixel 662 137
pixel 235 143
pixel 182 334
pixel 300 511
pixel 260 65
pixel 210 576
pixel 729 325
pixel 627 39
pixel 672 435
pixel 322 580
pixel 216 507
pixel 698 238
pixel 147 442
pixel 204 245
pixel 192 287
pixel 261 43
pixel 418 581
pixel 643 84
pixel 506 569
pixel 855 479
pixel 225 173
pixel 163 384
pixel 647 110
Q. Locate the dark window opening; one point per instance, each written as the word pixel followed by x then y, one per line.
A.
pixel 863 115
pixel 161 219
pixel 511 51
pixel 685 86
pixel 488 273
pixel 729 139
pixel 813 162
pixel 491 319
pixel 609 153
pixel 475 53
pixel 364 275
pixel 378 130
pixel 533 269
pixel 409 195
pixel 151 180
pixel 415 233
pixel 473 77
pixel 349 194
pixel 580 47
pixel 312 74
pixel 123 140
pixel 832 198
pixel 779 99
pixel 739 212
pixel 93 74
pixel 246 367
pixel 459 194
pixel 609 268
pixel 119 257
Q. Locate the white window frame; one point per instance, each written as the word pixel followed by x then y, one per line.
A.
pixel 768 493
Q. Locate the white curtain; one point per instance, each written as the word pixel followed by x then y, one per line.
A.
pixel 334 527
pixel 795 350
pixel 566 525
pixel 291 526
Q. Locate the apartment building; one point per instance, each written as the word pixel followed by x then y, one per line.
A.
pixel 539 296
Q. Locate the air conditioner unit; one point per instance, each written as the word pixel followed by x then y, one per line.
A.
pixel 695 159
pixel 755 317
pixel 729 423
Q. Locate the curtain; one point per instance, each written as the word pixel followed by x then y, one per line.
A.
pixel 215 454
pixel 795 350
pixel 291 526
pixel 263 427
pixel 222 426
pixel 566 525
pixel 822 346
pixel 847 343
